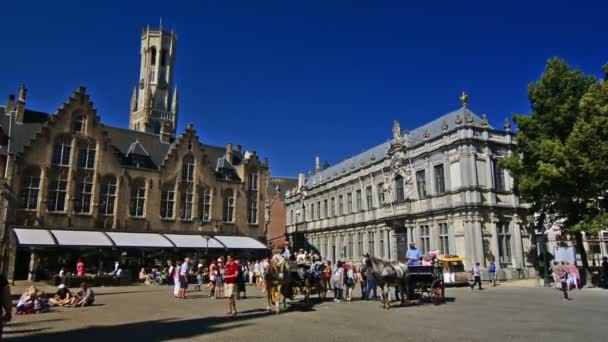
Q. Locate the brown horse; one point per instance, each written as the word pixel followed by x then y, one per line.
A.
pixel 277 281
pixel 389 273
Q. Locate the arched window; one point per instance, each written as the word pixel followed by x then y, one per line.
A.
pixel 167 201
pixel 86 158
pixel 30 188
pixel 138 199
pixel 79 124
pixel 187 199
pixel 228 206
pixel 84 193
pixel 61 151
pixel 107 195
pixel 206 205
pixel 153 56
pixel 57 192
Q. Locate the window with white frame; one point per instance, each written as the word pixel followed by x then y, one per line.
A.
pixel 167 201
pixel 107 195
pixel 444 239
pixel 79 124
pixel 138 199
pixel 57 193
pixel 206 205
pixel 425 239
pixel 252 194
pixel 84 193
pixel 86 156
pixel 253 181
pixel 30 188
pixel 187 201
pixel 61 152
pixel 228 206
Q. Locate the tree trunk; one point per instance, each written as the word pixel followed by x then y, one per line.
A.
pixel 581 249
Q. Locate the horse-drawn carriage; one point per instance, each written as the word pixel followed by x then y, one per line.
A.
pixel 426 282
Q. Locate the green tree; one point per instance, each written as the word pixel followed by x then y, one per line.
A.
pixel 541 165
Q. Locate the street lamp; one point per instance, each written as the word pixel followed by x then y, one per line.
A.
pixel 541 241
pixel 207 237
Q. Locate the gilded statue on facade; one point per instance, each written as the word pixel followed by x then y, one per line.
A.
pixel 396 130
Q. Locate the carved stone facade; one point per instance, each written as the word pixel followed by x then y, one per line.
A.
pixel 438 186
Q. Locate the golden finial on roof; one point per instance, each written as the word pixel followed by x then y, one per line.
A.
pixel 464 99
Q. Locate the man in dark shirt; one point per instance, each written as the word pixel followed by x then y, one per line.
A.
pixel 7 305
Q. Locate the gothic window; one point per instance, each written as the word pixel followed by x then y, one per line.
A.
pixel 368 198
pixel 425 239
pixel 499 176
pixel 444 240
pixel 138 199
pixel 504 242
pixel 421 183
pixel 167 201
pixel 30 188
pixel 61 152
pixel 107 195
pixel 439 179
pixel 84 193
pixel 252 210
pixel 399 194
pixel 206 205
pixel 86 158
pixel 228 206
pixel 358 206
pixel 188 169
pixel 153 56
pixel 79 124
pixel 187 200
pixel 57 193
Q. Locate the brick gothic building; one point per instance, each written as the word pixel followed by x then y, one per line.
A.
pixel 69 171
pixel 276 234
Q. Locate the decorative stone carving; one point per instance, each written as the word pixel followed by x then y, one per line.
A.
pixel 507 125
pixel 470 118
pixel 427 133
pixel 396 131
pixel 445 126
pixel 484 121
pixel 400 168
pixel 458 119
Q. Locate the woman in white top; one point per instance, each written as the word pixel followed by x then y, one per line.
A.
pixel 176 279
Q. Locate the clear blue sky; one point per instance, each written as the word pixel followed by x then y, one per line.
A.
pixel 292 79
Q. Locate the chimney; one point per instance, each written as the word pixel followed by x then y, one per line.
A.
pixel 317 164
pixel 10 104
pixel 21 104
pixel 301 180
pixel 229 153
pixel 239 148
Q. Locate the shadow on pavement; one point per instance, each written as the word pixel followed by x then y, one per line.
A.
pixel 158 330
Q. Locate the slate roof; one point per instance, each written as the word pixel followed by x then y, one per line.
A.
pixel 378 153
pixel 131 147
pixel 282 184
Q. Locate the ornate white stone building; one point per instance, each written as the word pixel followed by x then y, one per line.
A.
pixel 438 186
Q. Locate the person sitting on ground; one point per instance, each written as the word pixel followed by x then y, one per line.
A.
pixel 25 305
pixel 40 304
pixel 62 297
pixel 84 297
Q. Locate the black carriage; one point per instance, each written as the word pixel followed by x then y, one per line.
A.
pixel 426 282
pixel 302 281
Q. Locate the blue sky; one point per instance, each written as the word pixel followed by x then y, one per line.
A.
pixel 293 79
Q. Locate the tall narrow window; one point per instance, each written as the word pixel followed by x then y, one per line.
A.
pixel 499 176
pixel 187 188
pixel 371 243
pixel 349 249
pixel 30 188
pixel 439 179
pixel 360 244
pixel 504 242
pixel 358 206
pixel 340 205
pixel 312 211
pixel 107 196
pixel 167 202
pixel 332 207
pixel 153 56
pixel 349 202
pixel 425 239
pixel 206 205
pixel 228 206
pixel 399 191
pixel 318 210
pixel 421 183
pixel 444 239
pixel 163 57
pixel 188 169
pixel 138 199
pixel 252 194
pixel 86 158
pixel 368 198
pixel 57 193
pixel 79 124
pixel 324 208
pixel 381 233
pixel 381 193
pixel 84 193
pixel 61 152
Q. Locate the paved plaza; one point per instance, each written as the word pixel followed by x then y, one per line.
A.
pixel 142 313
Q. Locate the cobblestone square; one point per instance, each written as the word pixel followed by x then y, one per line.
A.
pixel 141 313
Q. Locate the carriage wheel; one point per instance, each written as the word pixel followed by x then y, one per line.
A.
pixel 437 292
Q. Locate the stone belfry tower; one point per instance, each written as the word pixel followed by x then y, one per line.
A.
pixel 154 102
